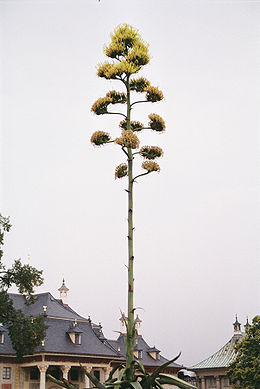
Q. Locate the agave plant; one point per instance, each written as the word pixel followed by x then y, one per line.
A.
pixel 129 53
pixel 142 379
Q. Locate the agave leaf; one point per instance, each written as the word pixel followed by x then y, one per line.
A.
pixel 64 383
pixel 141 366
pixel 146 381
pixel 93 379
pixel 160 368
pixel 108 382
pixel 136 385
pixel 172 380
pixel 158 384
pixel 121 374
pixel 110 377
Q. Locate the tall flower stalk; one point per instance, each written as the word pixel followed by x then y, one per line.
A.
pixel 129 54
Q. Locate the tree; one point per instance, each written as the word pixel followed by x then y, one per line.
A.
pixel 244 371
pixel 129 54
pixel 26 332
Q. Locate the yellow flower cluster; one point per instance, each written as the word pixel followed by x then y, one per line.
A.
pixel 109 71
pixel 153 94
pixel 128 139
pixel 116 97
pixel 129 49
pixel 139 84
pixel 156 122
pixel 139 55
pixel 151 166
pixel 100 106
pixel 123 38
pixel 135 126
pixel 151 152
pixel 114 71
pixel 99 138
pixel 121 171
pixel 112 97
pixel 127 43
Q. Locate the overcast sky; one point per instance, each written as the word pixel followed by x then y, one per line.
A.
pixel 196 223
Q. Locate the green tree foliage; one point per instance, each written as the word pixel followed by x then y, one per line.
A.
pixel 26 333
pixel 244 371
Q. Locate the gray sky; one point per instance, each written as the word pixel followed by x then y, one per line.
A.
pixel 197 222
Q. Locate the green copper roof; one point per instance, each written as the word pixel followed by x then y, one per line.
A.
pixel 221 358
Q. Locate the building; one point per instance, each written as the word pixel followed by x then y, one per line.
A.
pixel 212 372
pixel 70 340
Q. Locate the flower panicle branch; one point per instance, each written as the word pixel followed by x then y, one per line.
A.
pixel 134 125
pixel 121 170
pixel 100 138
pixel 151 152
pixel 151 166
pixel 128 139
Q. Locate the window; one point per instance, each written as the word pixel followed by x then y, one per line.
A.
pixel 212 382
pixel 6 373
pixel 227 381
pixel 2 337
pixel 77 339
pixel 74 374
pixel 140 354
pixel 97 374
pixel 55 372
pixel 34 373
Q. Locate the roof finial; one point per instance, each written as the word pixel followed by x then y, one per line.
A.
pixel 138 322
pixel 63 292
pixel 247 325
pixel 237 327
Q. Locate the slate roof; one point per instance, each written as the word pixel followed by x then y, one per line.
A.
pixel 58 341
pixel 146 359
pixel 55 307
pixel 222 358
pixel 60 319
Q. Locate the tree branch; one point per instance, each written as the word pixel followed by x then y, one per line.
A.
pixel 140 175
pixel 126 153
pixel 140 101
pixel 115 113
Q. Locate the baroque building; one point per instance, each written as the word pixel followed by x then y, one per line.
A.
pixel 70 340
pixel 212 372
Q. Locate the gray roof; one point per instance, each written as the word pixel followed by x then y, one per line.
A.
pixel 58 341
pixel 222 358
pixel 60 319
pixel 55 307
pixel 146 359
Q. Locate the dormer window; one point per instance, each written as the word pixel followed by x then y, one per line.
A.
pixel 154 353
pixel 77 338
pixel 74 333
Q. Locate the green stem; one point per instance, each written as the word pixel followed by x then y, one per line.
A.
pixel 130 337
